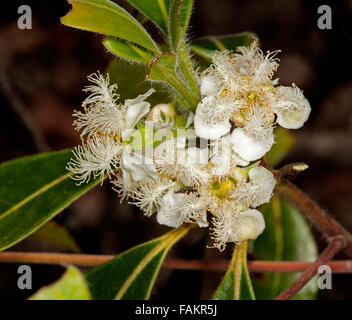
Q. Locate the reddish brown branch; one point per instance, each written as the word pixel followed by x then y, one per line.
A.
pixel 314 213
pixel 334 246
pixel 87 260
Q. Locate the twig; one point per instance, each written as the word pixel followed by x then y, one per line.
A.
pixel 334 246
pixel 87 260
pixel 290 170
pixel 329 227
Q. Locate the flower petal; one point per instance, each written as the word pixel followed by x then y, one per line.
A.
pixel 206 129
pixel 209 86
pixel 292 109
pixel 264 182
pixel 137 108
pixel 247 147
pixel 169 213
pixel 139 167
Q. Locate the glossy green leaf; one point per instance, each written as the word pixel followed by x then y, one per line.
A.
pixel 56 234
pixel 156 10
pixel 33 190
pixel 206 46
pixel 131 275
pixel 129 87
pixel 236 284
pixel 180 13
pixel 127 50
pixel 287 237
pixel 284 141
pixel 106 17
pixel 71 286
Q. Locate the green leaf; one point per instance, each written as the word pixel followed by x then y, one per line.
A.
pixel 284 141
pixel 131 82
pixel 56 234
pixel 130 276
pixel 180 13
pixel 71 286
pixel 33 190
pixel 205 47
pixel 286 237
pixel 127 50
pixel 106 17
pixel 155 10
pixel 236 284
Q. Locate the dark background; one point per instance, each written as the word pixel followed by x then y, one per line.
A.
pixel 43 71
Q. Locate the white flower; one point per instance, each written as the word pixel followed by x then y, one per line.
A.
pixel 235 227
pixel 223 159
pixel 148 195
pixel 209 85
pixel 212 118
pixel 247 146
pixel 249 225
pixel 98 157
pixel 137 108
pixel 169 213
pixel 292 108
pixel 258 190
pixel 224 228
pixel 177 208
pixel 258 123
pixel 188 166
pixel 101 113
pixel 136 167
pixel 254 63
pixel 194 209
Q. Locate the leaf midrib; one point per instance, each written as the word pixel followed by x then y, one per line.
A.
pixel 165 243
pixel 35 194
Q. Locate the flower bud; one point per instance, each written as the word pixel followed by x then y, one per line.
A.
pixel 250 224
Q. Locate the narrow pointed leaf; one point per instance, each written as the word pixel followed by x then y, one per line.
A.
pixel 33 190
pixel 156 10
pixel 131 275
pixel 127 50
pixel 206 46
pixel 71 286
pixel 56 234
pixel 236 284
pixel 106 17
pixel 287 237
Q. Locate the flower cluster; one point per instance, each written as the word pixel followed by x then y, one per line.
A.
pixel 197 168
pixel 238 92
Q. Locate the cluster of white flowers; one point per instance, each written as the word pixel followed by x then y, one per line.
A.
pixel 200 168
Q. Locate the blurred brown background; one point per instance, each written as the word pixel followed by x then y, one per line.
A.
pixel 43 71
